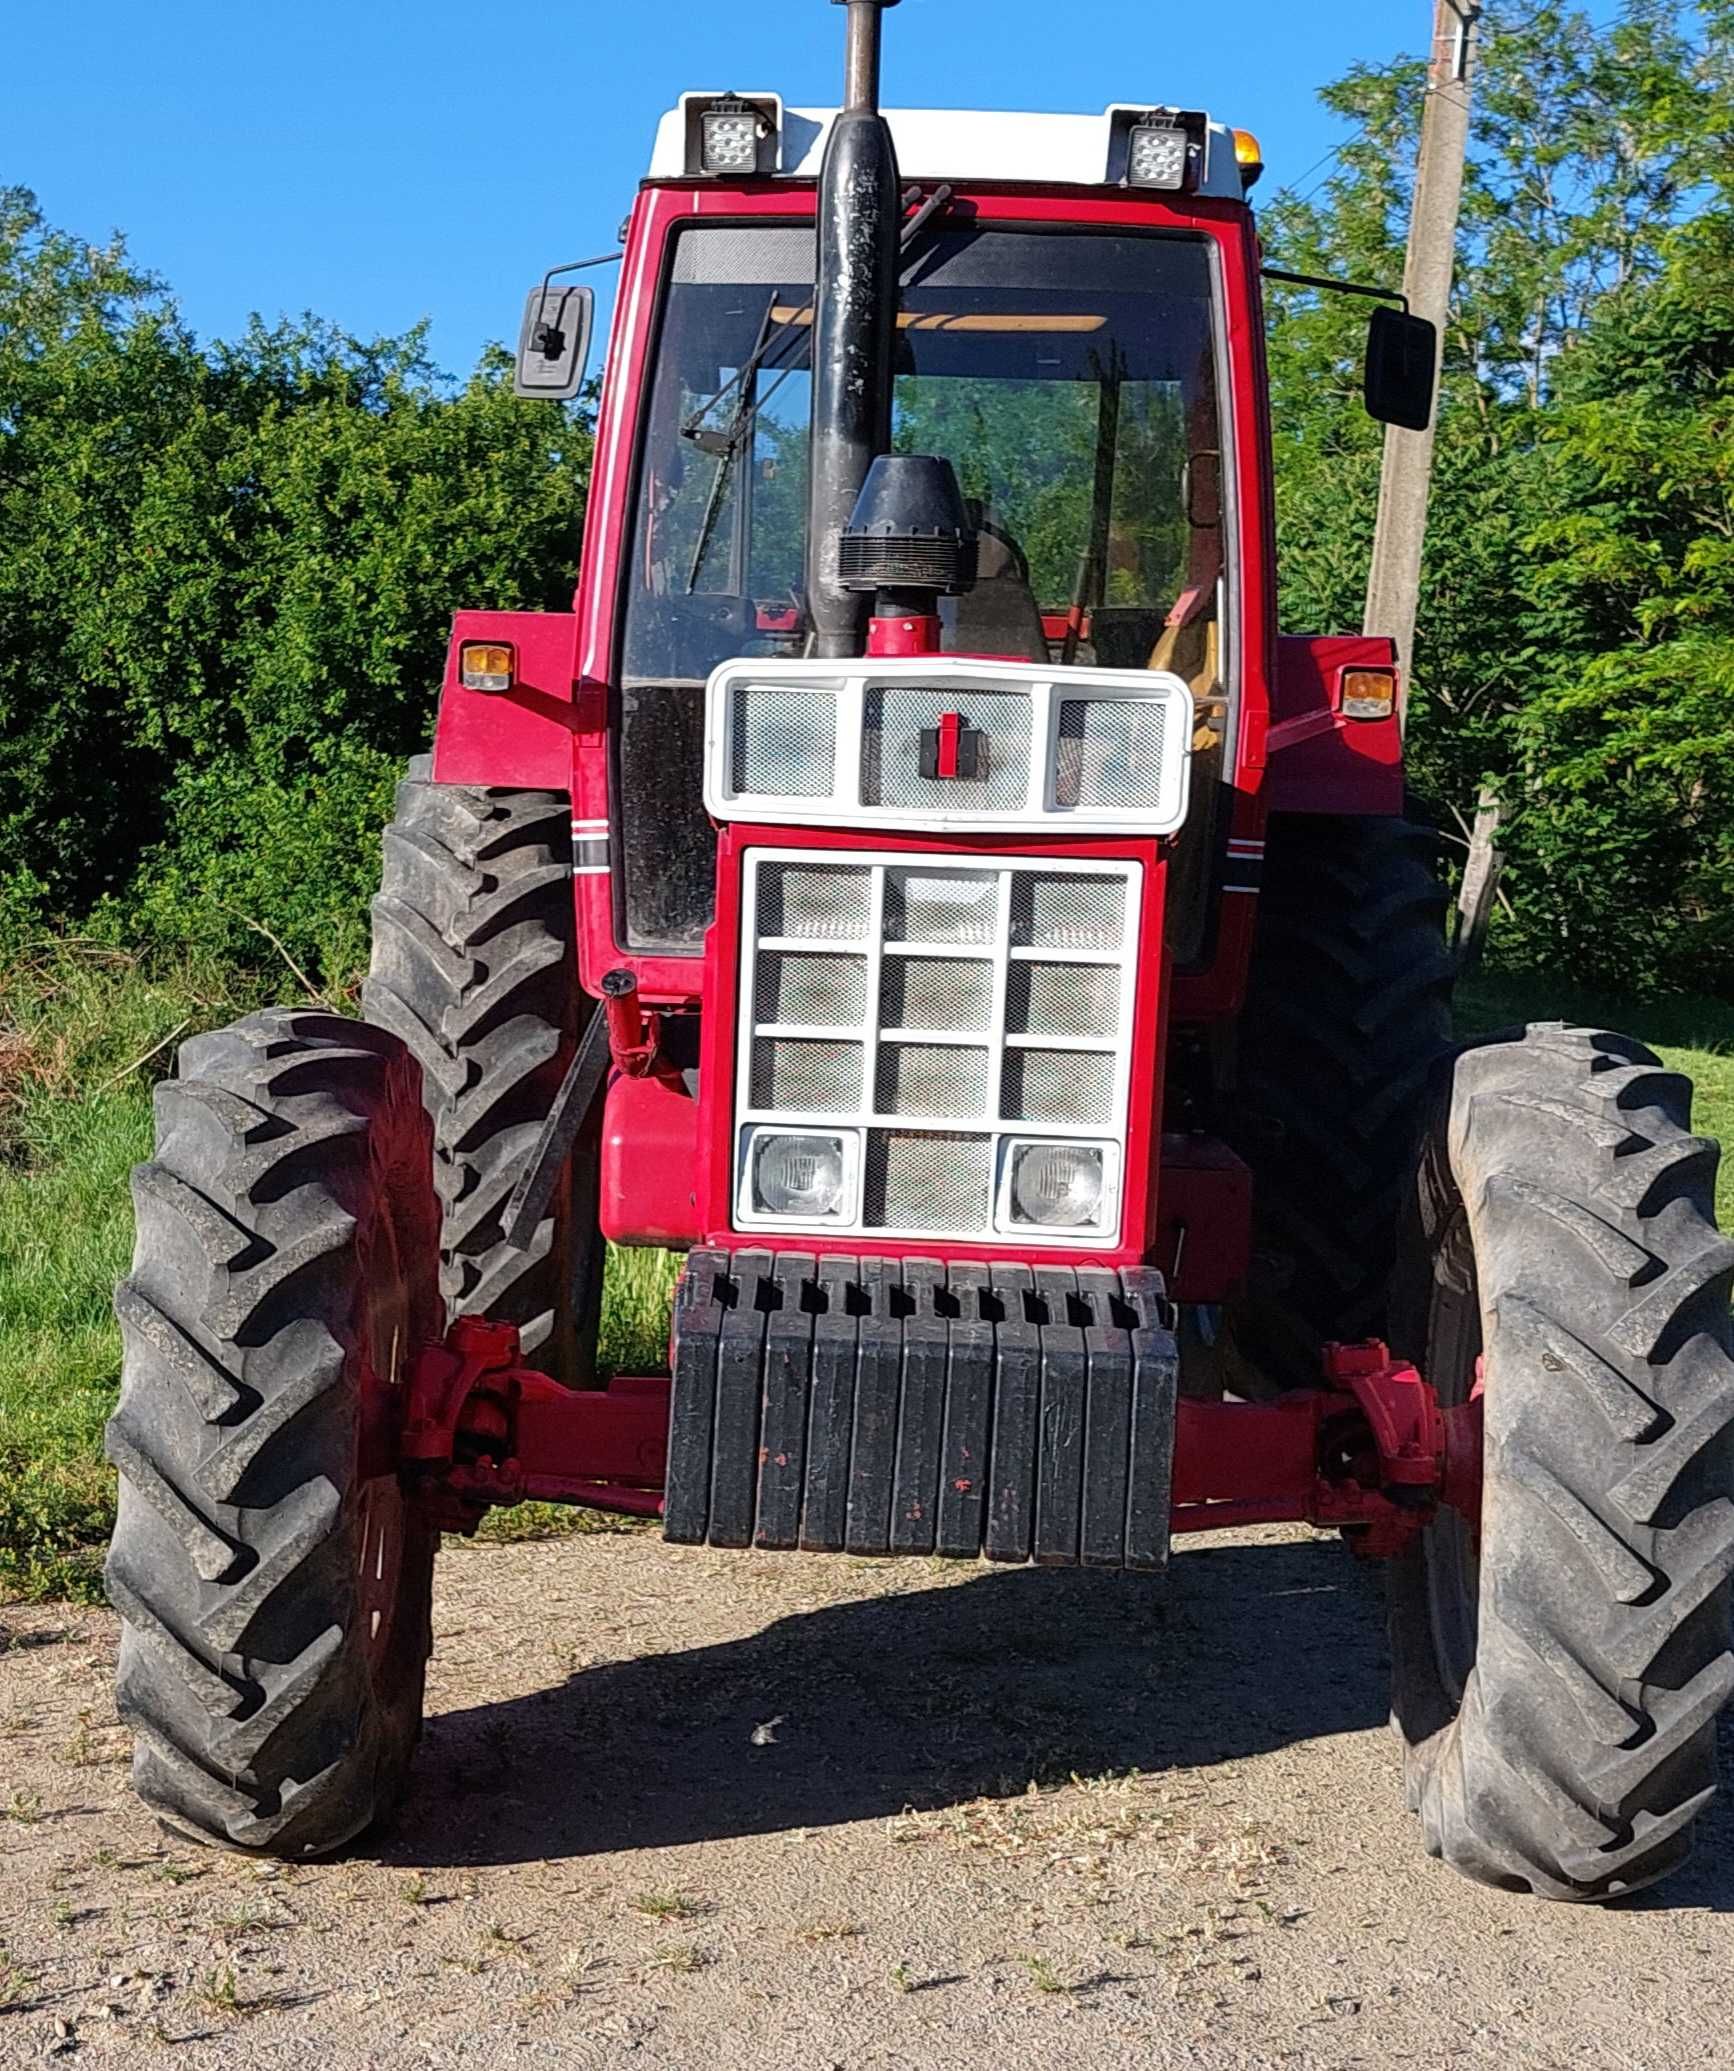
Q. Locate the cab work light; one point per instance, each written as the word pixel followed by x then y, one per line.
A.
pixel 731 134
pixel 487 665
pixel 1163 150
pixel 1368 693
pixel 1157 154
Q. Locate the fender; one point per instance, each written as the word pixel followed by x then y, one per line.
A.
pixel 522 738
pixel 1318 760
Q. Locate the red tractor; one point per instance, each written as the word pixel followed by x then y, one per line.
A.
pixel 917 881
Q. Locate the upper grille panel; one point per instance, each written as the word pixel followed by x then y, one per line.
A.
pixel 1027 745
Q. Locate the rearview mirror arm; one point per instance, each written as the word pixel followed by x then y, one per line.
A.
pixel 1337 287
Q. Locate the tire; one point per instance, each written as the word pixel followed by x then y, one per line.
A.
pixel 1557 1691
pixel 275 1603
pixel 473 968
pixel 1348 1009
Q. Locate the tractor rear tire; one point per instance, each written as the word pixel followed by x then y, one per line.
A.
pixel 473 968
pixel 1557 1688
pixel 1348 1009
pixel 275 1603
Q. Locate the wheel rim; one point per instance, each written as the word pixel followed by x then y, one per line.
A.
pixel 1451 1556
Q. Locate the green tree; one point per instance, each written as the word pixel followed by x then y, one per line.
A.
pixel 225 587
pixel 1595 151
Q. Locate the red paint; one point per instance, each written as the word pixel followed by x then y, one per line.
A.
pixel 634 1037
pixel 1146 961
pixel 650 1159
pixel 522 736
pixel 950 734
pixel 1320 761
pixel 1204 1219
pixel 914 634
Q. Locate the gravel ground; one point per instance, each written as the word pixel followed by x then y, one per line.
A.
pixel 711 1811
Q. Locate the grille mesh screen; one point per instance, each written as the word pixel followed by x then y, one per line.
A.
pixel 941 906
pixel 820 1078
pixel 815 991
pixel 1110 753
pixel 821 905
pixel 932 1079
pixel 1066 912
pixel 935 993
pixel 895 720
pixel 1058 1086
pixel 784 742
pixel 1063 999
pixel 938 1181
pixel 934 1047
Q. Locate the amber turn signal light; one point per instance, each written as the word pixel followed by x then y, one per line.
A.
pixel 1368 693
pixel 489 665
pixel 1249 156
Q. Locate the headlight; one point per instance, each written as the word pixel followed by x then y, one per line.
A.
pixel 1057 1186
pixel 798 1175
pixel 1157 156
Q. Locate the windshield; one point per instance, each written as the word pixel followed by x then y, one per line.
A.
pixel 1070 378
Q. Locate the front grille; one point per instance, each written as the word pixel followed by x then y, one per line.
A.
pixel 1027 748
pixel 933 1015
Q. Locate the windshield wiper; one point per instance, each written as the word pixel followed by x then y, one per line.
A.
pixel 725 443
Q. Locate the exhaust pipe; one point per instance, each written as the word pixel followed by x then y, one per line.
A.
pixel 854 327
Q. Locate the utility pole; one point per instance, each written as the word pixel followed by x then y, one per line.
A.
pixel 1406 480
pixel 1394 585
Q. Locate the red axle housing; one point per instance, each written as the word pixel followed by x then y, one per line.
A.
pixel 1373 1452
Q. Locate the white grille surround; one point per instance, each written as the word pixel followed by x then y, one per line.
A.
pixel 839 744
pixel 1002 1018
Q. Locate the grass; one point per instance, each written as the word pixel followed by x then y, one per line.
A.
pixel 1689 1033
pixel 85 1033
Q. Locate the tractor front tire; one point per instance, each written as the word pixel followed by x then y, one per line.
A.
pixel 473 968
pixel 1348 1009
pixel 274 1599
pixel 1557 1686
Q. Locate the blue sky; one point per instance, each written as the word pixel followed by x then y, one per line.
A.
pixel 379 161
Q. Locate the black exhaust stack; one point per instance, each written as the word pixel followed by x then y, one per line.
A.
pixel 854 327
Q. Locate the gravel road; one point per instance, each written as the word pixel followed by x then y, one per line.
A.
pixel 709 1812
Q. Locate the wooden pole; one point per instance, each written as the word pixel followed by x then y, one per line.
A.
pixel 1394 585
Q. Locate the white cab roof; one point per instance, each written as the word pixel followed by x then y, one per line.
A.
pixel 958 144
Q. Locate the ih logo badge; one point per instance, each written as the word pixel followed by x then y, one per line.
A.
pixel 954 748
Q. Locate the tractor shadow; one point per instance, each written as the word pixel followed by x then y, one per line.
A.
pixel 911 1701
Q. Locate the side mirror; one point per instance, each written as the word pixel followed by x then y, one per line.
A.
pixel 1402 369
pixel 554 345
